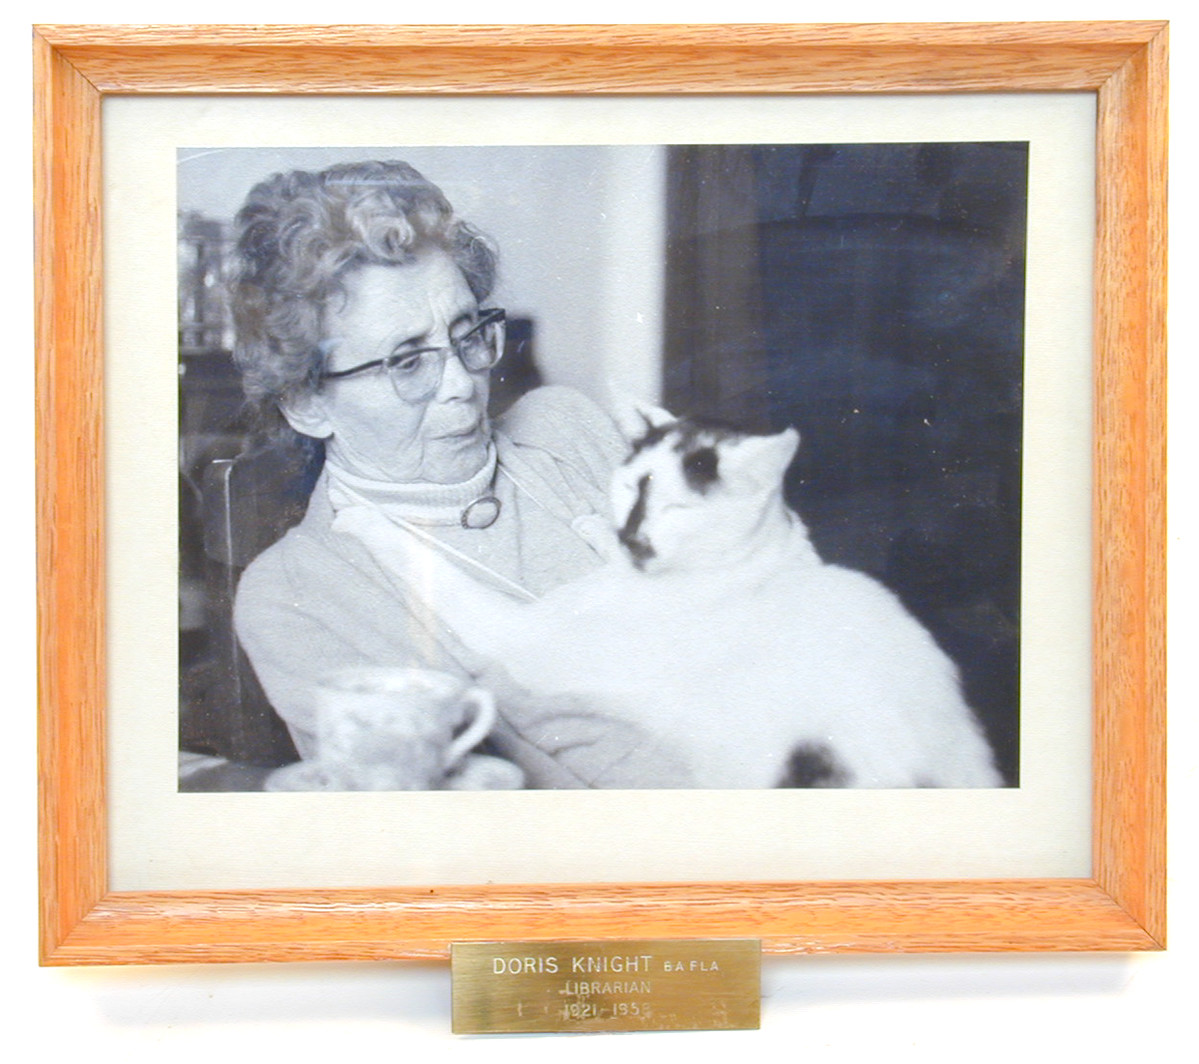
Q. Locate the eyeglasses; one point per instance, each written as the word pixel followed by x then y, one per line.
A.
pixel 416 375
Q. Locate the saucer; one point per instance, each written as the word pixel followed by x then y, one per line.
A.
pixel 477 772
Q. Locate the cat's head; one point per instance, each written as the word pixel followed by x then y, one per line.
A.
pixel 693 494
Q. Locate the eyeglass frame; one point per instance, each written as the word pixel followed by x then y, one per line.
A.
pixel 490 316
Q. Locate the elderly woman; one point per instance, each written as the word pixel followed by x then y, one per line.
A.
pixel 361 315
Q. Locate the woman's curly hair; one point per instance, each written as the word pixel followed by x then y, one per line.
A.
pixel 300 233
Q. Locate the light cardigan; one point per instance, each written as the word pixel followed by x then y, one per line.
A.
pixel 317 601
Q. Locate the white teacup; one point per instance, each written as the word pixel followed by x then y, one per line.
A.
pixel 397 729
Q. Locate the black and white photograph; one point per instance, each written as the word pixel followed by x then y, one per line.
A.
pixel 601 466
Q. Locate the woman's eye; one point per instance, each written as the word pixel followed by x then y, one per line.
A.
pixel 406 363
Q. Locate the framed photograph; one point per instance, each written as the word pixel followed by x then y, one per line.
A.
pixel 993 401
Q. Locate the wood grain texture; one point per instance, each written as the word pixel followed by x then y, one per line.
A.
pixel 608 59
pixel 421 923
pixel 1129 471
pixel 70 493
pixel 1121 908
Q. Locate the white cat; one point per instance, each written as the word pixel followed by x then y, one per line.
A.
pixel 717 627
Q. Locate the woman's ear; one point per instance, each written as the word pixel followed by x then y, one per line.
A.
pixel 306 414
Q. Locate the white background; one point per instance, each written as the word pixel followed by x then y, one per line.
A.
pixel 887 1008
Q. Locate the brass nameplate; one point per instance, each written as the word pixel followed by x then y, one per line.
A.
pixel 643 985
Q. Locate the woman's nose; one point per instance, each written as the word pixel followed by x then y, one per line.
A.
pixel 456 380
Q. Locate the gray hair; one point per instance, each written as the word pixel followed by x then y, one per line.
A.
pixel 301 233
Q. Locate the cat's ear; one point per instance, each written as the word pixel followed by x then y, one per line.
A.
pixel 635 417
pixel 759 461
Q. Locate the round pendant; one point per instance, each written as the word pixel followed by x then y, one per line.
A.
pixel 481 513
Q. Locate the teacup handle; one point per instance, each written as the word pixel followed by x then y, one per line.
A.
pixel 484 718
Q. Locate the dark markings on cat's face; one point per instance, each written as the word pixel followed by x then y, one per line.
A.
pixel 696 445
pixel 690 434
pixel 696 441
pixel 813 765
pixel 639 547
pixel 654 434
pixel 701 469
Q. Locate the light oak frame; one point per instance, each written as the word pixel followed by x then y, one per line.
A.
pixel 1121 907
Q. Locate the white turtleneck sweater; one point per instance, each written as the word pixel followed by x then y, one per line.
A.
pixel 317 601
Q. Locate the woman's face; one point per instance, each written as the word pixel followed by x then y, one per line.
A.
pixel 371 431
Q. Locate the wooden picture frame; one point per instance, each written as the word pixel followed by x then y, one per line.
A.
pixel 1120 907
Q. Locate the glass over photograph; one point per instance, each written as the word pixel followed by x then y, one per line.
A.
pixel 600 466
